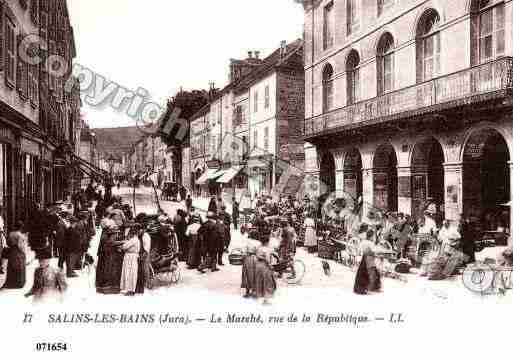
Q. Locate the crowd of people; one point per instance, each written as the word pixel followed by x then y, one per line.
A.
pixel 133 248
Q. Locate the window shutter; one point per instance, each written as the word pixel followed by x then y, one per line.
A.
pixel 419 60
pixel 1 35
pixel 474 39
pixel 34 11
pixel 10 53
pixel 380 74
pixel 21 71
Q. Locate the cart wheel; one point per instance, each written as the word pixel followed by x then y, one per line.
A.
pixel 150 283
pixel 176 275
pixel 300 269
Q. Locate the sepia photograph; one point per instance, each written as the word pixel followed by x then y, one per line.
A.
pixel 187 177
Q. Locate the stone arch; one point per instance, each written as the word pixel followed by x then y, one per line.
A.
pixel 353 176
pixel 385 179
pixel 428 179
pixel 327 172
pixel 486 126
pixel 431 6
pixel 486 156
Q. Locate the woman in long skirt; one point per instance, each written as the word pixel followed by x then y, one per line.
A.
pixel 249 271
pixel 16 260
pixel 265 284
pixel 368 278
pixel 310 236
pixel 131 248
pixel 110 259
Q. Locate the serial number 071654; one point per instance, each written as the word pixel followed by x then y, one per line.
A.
pixel 51 347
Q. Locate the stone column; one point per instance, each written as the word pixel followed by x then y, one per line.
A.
pixel 368 190
pixel 404 190
pixel 453 190
pixel 339 173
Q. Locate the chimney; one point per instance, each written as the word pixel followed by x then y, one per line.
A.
pixel 283 48
pixel 257 55
pixel 250 54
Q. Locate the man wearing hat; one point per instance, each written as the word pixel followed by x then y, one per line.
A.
pixel 210 238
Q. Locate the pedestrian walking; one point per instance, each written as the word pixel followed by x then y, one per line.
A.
pixel 310 234
pixel 210 238
pixel 235 213
pixel 49 282
pixel 188 204
pixel 368 278
pixel 265 284
pixel 191 233
pixel 248 282
pixel 14 260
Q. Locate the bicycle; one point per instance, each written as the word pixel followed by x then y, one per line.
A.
pixel 285 267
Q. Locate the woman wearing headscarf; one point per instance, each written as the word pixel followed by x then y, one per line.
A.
pixel 13 257
pixel 193 258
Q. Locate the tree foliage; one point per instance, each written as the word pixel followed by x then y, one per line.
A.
pixel 188 103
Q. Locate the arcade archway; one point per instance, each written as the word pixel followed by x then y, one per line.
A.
pixel 428 177
pixel 353 184
pixel 385 178
pixel 486 179
pixel 327 174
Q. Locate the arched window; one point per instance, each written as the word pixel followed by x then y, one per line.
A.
pixel 428 46
pixel 327 88
pixel 487 30
pixel 353 77
pixel 385 64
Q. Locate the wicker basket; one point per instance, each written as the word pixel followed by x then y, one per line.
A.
pixel 326 250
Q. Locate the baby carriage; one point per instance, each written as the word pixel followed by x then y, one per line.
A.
pixel 163 268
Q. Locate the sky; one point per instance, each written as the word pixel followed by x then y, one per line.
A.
pixel 162 45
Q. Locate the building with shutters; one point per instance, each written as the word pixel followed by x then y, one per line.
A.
pixel 238 139
pixel 39 120
pixel 409 102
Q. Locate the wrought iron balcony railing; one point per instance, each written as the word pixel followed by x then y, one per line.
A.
pixel 450 90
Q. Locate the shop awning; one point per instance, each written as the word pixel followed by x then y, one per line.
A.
pixel 88 168
pixel 210 174
pixel 229 174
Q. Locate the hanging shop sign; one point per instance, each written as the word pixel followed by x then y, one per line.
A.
pixel 30 147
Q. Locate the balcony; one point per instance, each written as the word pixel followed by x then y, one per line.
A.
pixel 491 80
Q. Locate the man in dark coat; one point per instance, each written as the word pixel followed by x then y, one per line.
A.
pixel 211 237
pixel 212 206
pixel 183 193
pixel 227 221
pixel 180 229
pixel 188 203
pixel 73 246
pixel 235 213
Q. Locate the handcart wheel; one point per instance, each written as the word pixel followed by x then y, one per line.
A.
pixel 300 269
pixel 150 283
pixel 176 275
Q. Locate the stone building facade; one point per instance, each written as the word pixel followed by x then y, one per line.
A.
pixel 410 102
pixel 39 119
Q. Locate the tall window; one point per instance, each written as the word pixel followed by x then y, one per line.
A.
pixel 353 20
pixel 328 26
pixel 327 88
pixel 267 97
pixel 385 64
pixel 10 51
pixel 255 101
pixel 428 46
pixel 353 77
pixel 491 30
